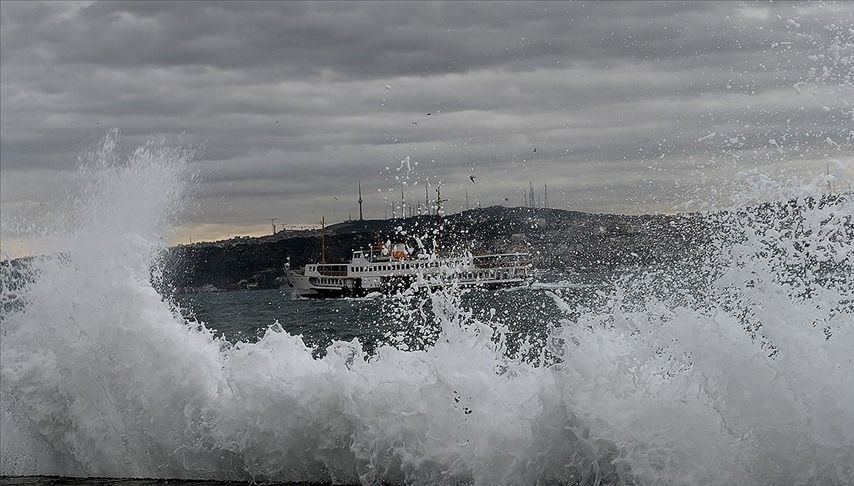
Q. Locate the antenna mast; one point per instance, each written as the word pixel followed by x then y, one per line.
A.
pixel 439 199
pixel 545 195
pixel 531 200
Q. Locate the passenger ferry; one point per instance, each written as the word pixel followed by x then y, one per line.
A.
pixel 384 270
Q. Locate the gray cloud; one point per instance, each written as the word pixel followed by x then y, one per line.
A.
pixel 290 99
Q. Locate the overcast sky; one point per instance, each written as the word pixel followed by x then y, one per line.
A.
pixel 622 107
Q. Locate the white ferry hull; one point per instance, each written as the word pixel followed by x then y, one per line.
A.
pixel 301 285
pixel 362 276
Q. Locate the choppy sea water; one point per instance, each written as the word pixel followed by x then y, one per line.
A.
pixel 731 368
pixel 245 316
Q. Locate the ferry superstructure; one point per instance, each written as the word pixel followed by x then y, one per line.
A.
pixel 382 270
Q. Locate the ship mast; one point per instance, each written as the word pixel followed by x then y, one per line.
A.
pixel 361 218
pixel 322 240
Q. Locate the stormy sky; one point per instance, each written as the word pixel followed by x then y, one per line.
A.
pixel 620 107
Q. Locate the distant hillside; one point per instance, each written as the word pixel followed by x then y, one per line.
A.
pixel 558 239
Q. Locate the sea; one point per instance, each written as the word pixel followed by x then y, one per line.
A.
pixel 246 315
pixel 733 366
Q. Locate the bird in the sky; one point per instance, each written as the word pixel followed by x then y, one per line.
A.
pixel 472 178
pixel 276 122
pixel 535 149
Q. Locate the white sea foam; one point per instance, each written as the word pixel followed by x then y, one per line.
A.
pixel 748 382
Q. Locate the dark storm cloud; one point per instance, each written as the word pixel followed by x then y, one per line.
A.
pixel 296 101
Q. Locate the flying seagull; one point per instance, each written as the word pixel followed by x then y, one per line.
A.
pixel 472 178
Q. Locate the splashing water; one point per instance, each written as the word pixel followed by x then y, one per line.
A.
pixel 733 370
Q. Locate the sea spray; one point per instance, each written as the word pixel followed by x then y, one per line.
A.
pixel 744 379
pixel 743 376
